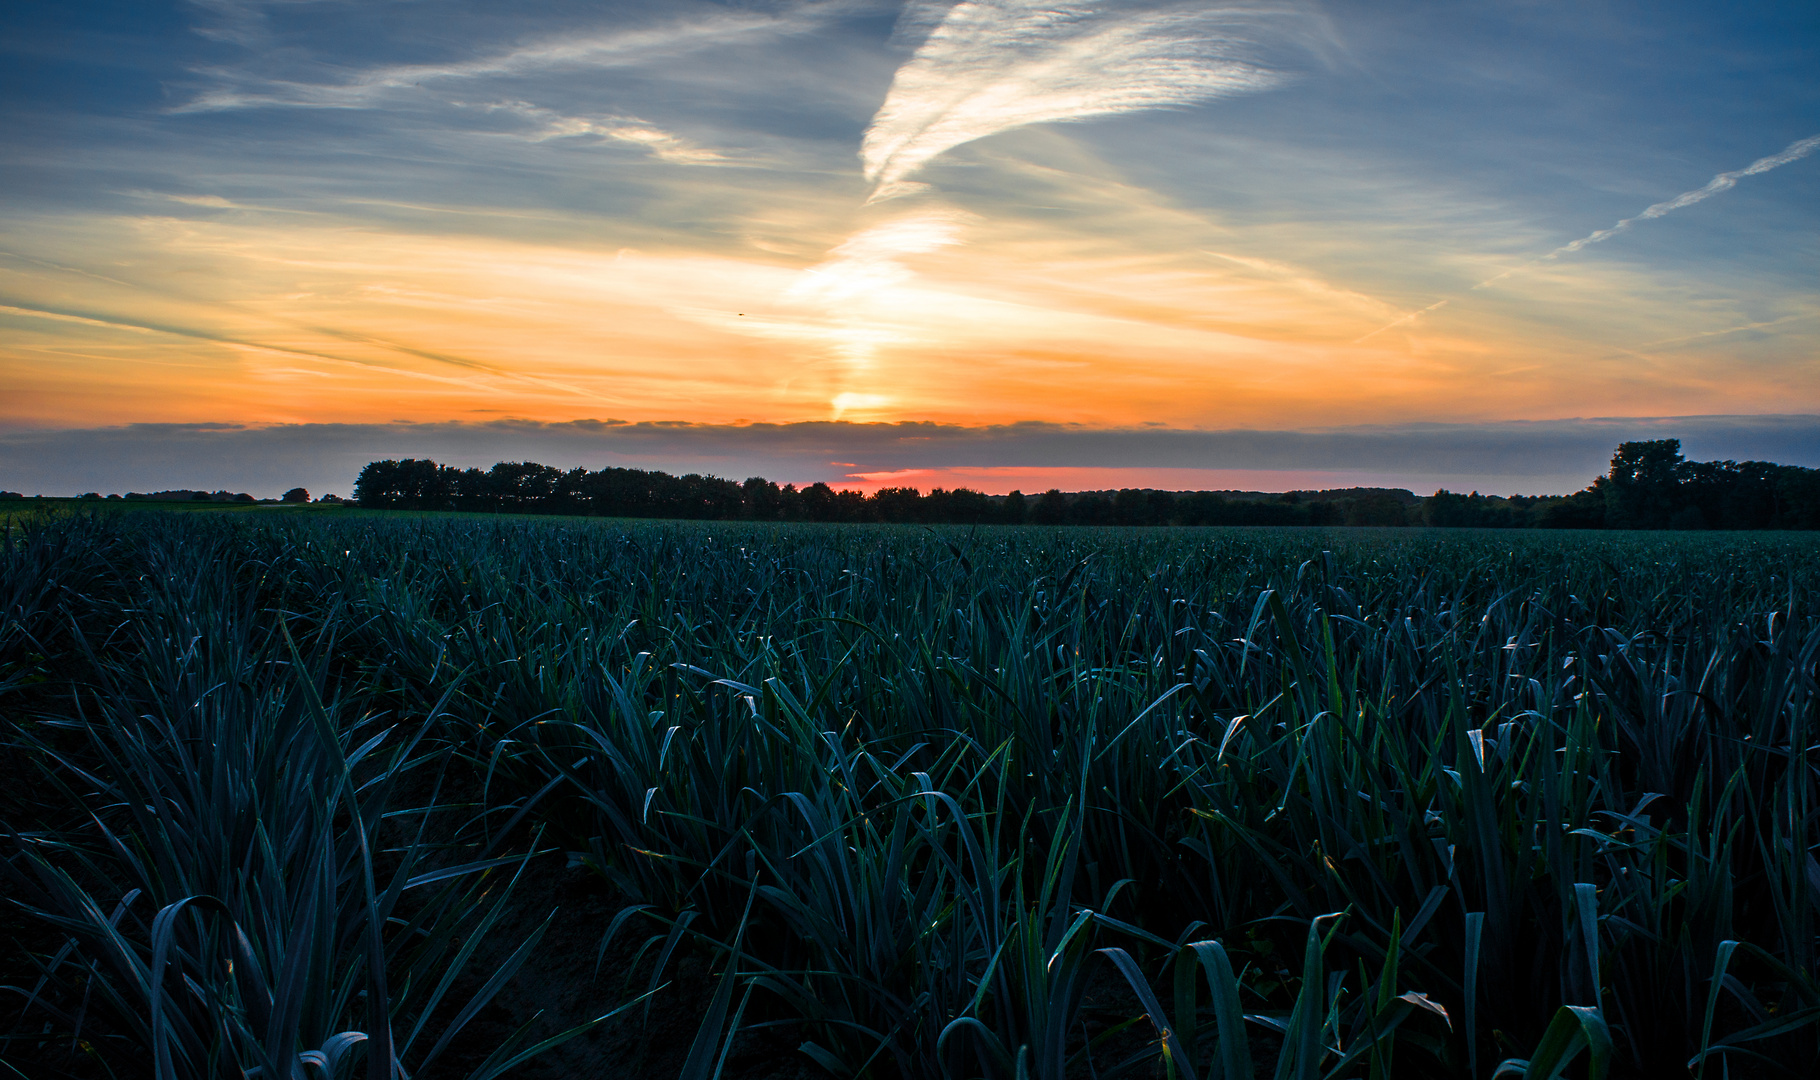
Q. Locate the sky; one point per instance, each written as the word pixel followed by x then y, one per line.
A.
pixel 998 243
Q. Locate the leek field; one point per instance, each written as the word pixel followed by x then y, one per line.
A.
pixel 333 793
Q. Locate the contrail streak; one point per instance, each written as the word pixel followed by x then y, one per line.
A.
pixel 1725 181
pixel 1411 317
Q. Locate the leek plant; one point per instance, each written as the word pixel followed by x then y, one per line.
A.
pixel 936 803
pixel 240 886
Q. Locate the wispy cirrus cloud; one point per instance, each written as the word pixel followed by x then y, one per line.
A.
pixel 239 22
pixel 871 260
pixel 196 333
pixel 1724 181
pixel 1302 281
pixel 243 88
pixel 660 144
pixel 988 66
pixel 984 66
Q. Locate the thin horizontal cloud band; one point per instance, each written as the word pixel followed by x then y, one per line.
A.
pixel 1513 455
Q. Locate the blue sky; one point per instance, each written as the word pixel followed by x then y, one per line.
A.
pixel 1104 216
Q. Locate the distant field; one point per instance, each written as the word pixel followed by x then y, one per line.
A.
pixel 27 509
pixel 897 801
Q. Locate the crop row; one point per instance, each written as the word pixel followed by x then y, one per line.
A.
pixel 924 803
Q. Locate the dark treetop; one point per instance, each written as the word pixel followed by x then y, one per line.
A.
pixel 1650 486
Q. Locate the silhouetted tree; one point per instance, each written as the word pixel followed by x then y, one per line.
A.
pixel 1642 489
pixel 1582 510
pixel 1090 508
pixel 817 502
pixel 412 484
pixel 1650 486
pixel 965 506
pixel 1797 498
pixel 761 500
pixel 1130 507
pixel 1377 508
pixel 1051 508
pixel 1202 508
pixel 895 504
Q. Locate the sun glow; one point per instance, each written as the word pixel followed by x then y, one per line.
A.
pixel 964 319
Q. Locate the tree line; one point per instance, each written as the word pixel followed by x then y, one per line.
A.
pixel 1650 486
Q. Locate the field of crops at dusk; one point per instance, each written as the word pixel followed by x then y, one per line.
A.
pixel 316 792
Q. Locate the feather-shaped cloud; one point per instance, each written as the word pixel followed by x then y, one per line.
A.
pixel 991 65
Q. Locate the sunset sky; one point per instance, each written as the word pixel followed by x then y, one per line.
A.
pixel 1002 243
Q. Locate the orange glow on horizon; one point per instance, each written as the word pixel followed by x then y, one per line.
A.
pixel 930 315
pixel 1036 480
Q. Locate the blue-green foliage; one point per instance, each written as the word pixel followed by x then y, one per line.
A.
pixel 1033 802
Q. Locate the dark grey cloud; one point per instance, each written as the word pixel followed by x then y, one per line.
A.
pixel 1529 457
